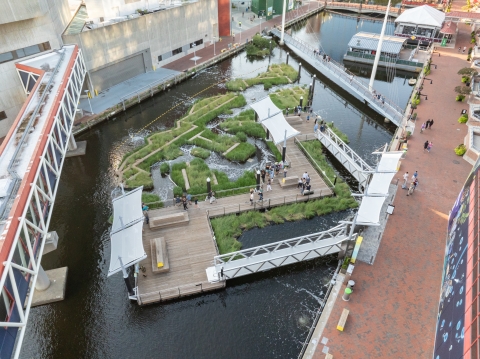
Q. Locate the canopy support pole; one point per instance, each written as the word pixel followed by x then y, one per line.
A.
pixel 284 152
pixel 283 23
pixel 125 278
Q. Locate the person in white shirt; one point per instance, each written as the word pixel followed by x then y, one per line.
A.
pixel 405 179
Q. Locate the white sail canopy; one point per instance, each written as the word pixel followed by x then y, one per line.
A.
pixel 272 118
pixel 126 244
pixel 422 15
pixel 127 209
pixel 126 234
pixel 377 190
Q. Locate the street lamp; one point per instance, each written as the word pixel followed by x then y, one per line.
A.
pixel 88 98
pixel 194 53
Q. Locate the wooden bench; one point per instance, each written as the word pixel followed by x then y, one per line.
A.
pixel 159 255
pixel 289 181
pixel 343 319
pixel 168 220
pixel 306 193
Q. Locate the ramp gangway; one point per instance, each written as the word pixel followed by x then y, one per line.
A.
pixel 278 254
pixel 357 167
pixel 341 77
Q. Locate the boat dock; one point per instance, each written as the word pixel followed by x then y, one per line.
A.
pixel 190 244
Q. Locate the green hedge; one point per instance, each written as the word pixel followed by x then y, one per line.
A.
pixel 242 152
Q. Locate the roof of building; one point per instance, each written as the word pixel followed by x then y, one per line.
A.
pixel 422 15
pixel 369 41
pixel 449 28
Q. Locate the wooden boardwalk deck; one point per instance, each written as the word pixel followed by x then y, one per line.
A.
pixel 191 246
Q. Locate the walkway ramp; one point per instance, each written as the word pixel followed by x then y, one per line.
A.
pixel 347 157
pixel 278 254
pixel 338 74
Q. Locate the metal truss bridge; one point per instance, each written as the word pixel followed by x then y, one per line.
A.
pixel 357 167
pixel 278 254
pixel 338 74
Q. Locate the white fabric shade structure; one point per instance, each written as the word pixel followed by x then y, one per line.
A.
pixel 377 190
pixel 422 15
pixel 272 118
pixel 126 233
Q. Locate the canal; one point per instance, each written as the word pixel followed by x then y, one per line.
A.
pixel 265 315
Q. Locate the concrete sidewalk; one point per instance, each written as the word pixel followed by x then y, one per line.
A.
pixel 112 96
pixel 393 308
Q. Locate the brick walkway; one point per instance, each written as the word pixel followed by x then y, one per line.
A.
pixel 206 53
pixel 393 308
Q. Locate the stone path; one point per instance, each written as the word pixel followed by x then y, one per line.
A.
pixel 393 308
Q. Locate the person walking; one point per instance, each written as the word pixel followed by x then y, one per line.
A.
pixel 411 188
pixel 459 49
pixel 429 147
pixel 405 179
pixel 431 123
pixel 414 176
pixel 464 49
pixel 195 199
pixel 251 197
pixel 423 127
pixel 427 123
pixel 260 194
pixel 269 185
pixel 305 175
pixel 184 202
pixel 315 127
pixel 425 146
pixel 189 198
pixel 308 118
pixel 263 174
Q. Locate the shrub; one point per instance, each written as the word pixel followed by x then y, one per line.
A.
pixel 141 179
pixel 467 71
pixel 339 133
pixel 150 197
pixel 241 136
pixel 273 148
pixel 459 98
pixel 164 168
pixel 242 152
pixel 463 119
pixel 200 152
pixel 460 150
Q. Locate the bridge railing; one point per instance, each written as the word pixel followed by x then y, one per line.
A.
pixel 346 76
pixel 339 231
pixel 359 162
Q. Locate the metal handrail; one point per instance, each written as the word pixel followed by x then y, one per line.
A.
pixel 343 73
pixel 319 311
pixel 345 149
pixel 16 179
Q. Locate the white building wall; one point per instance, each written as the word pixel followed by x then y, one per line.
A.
pixel 24 33
pixel 17 10
pixel 160 32
pixel 114 8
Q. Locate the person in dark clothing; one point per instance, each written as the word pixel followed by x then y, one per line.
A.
pixel 184 202
pixel 425 145
pixel 431 124
pixel 262 174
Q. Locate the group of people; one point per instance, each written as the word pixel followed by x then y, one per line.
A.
pixel 413 183
pixel 426 125
pixel 322 124
pixel 304 183
pixel 185 200
pixel 378 97
pixel 427 146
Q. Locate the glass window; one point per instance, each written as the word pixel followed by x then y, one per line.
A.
pixel 31 50
pixel 46 46
pixel 6 56
pixel 159 58
pixel 3 115
pixel 177 51
pixel 20 53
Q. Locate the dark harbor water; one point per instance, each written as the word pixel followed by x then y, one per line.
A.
pixel 264 315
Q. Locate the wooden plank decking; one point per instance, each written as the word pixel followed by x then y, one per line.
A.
pixel 191 247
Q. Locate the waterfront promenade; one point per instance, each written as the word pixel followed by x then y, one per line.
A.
pixel 394 304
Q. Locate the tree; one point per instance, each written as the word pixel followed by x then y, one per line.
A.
pixel 463 90
pixel 467 71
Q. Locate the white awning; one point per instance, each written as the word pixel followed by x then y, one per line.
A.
pixel 277 125
pixel 389 161
pixel 422 15
pixel 272 118
pixel 377 190
pixel 127 209
pixel 369 211
pixel 265 108
pixel 128 245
